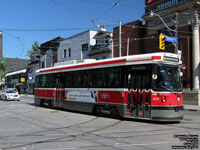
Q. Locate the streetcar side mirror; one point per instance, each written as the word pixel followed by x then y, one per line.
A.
pixel 154 76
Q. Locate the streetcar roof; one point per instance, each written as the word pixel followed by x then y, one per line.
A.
pixel 165 58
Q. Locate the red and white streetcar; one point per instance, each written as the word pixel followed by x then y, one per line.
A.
pixel 146 86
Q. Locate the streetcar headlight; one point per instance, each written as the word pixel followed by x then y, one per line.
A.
pixel 163 99
pixel 178 98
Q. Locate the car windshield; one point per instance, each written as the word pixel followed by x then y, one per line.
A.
pixel 168 78
pixel 11 91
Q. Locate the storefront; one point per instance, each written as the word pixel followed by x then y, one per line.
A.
pixel 18 80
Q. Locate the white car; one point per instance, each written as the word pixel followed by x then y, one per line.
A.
pixel 10 95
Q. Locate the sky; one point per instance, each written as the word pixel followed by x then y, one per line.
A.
pixel 22 22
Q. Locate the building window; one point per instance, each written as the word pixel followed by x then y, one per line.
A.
pixel 69 52
pixel 65 53
pixel 85 47
pixel 101 43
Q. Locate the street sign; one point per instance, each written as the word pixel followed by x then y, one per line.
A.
pixel 171 39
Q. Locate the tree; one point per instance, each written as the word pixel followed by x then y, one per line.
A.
pixel 35 51
pixel 3 69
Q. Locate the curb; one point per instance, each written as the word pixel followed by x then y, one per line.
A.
pixel 192 107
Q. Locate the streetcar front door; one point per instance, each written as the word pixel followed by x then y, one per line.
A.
pixel 139 94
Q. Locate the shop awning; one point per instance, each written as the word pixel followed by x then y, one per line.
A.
pixel 16 72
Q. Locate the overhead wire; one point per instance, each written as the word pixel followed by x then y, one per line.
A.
pixel 74 11
pixel 65 7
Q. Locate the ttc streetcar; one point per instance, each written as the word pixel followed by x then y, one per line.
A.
pixel 146 86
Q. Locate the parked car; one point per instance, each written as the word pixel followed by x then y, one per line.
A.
pixel 9 94
pixel 14 89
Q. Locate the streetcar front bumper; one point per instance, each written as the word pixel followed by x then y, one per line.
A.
pixel 167 113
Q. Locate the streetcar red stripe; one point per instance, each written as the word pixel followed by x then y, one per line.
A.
pixel 99 63
pixel 85 65
pixel 152 58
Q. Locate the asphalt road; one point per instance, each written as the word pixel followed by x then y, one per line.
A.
pixel 26 127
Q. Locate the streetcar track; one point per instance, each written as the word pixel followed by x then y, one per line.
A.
pixel 63 137
pixel 82 133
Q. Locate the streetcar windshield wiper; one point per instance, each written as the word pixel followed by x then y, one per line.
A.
pixel 168 89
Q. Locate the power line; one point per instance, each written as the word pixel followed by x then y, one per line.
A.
pixel 41 30
pixel 106 3
pixel 65 7
pixel 106 12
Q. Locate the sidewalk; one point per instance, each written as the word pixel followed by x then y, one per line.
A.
pixel 24 95
pixel 192 107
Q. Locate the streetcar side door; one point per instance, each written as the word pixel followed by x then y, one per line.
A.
pixel 139 93
pixel 60 91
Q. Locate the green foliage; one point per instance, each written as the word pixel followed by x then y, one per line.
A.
pixel 3 66
pixel 35 50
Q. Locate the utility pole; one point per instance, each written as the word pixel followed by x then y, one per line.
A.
pixel 176 34
pixel 120 40
pixel 127 46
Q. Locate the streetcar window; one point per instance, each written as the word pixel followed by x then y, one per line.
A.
pixel 49 81
pixel 82 79
pixel 36 81
pixel 140 81
pixel 147 80
pixel 59 81
pixel 42 81
pixel 168 78
pixel 134 81
pixel 45 81
pixel 97 78
pixel 70 80
pixel 112 77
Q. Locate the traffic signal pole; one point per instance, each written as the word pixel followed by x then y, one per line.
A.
pixel 176 34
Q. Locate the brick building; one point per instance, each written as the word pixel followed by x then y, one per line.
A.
pixel 131 38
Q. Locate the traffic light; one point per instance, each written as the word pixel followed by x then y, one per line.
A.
pixel 162 42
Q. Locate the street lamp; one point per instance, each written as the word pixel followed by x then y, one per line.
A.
pixel 169 29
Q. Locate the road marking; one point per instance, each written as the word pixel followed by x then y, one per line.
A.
pixel 55 148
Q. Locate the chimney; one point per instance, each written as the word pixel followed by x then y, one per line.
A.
pixel 102 28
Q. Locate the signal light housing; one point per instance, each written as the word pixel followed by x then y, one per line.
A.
pixel 162 42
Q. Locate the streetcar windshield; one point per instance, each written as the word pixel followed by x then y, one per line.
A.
pixel 168 78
